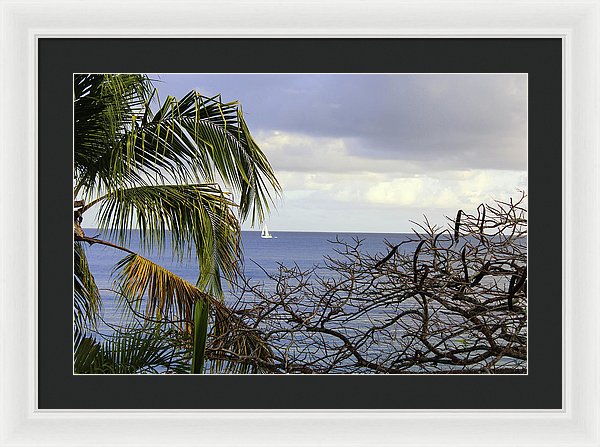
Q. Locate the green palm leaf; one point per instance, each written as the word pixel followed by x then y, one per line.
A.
pixel 195 140
pixel 194 218
pixel 103 109
pixel 129 150
pixel 201 310
pixel 87 301
pixel 136 349
pixel 224 147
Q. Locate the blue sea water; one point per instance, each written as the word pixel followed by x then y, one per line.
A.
pixel 261 257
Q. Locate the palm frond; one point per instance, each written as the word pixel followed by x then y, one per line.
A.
pixel 120 142
pixel 192 219
pixel 168 297
pixel 135 349
pixel 85 352
pixel 104 110
pixel 86 297
pixel 224 147
pixel 201 311
pixel 128 149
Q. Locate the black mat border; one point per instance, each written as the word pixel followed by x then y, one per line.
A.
pixel 540 58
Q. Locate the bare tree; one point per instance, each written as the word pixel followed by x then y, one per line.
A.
pixel 445 300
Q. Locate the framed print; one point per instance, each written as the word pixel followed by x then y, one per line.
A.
pixel 554 401
pixel 526 74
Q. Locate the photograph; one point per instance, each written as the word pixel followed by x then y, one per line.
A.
pixel 300 223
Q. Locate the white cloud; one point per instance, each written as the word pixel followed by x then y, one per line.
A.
pixel 324 165
pixel 296 152
pixel 466 189
pixel 371 152
pixel 386 202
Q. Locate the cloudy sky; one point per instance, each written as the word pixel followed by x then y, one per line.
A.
pixel 369 153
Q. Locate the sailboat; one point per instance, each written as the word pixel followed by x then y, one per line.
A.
pixel 265 233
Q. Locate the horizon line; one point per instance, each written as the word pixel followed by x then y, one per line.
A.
pixel 296 231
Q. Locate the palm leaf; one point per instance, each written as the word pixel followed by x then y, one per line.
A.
pixel 195 218
pixel 168 297
pixel 104 107
pixel 194 140
pixel 86 354
pixel 128 148
pixel 201 309
pixel 135 349
pixel 224 145
pixel 86 298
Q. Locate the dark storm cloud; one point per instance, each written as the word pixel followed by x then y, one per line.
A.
pixel 438 121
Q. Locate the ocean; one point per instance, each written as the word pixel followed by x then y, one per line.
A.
pixel 260 258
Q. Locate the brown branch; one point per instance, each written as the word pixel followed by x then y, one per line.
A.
pixel 92 241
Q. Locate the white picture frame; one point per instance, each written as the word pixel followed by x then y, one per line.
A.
pixel 577 23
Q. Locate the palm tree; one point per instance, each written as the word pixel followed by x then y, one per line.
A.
pixel 176 171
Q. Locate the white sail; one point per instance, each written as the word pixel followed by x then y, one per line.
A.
pixel 265 233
